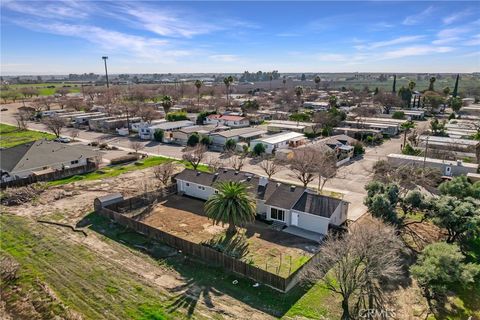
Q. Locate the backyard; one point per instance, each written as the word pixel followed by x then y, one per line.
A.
pixel 257 243
pixel 10 136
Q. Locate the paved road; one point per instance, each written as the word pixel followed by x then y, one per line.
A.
pixel 349 181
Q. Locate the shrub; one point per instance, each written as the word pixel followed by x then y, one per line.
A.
pixel 124 159
pixel 230 144
pixel 94 143
pixel 358 148
pixel 158 135
pixel 193 140
pixel 259 149
pixel 103 145
pixel 398 115
pixel 177 116
pixel 206 141
pixel 411 151
pixel 203 115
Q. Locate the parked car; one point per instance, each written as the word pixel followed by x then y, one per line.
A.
pixel 63 139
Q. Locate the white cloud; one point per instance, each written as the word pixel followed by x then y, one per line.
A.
pixel 450 40
pixel 417 18
pixel 453 32
pixel 388 43
pixel 456 16
pixel 473 41
pixel 60 9
pixel 415 51
pixel 224 57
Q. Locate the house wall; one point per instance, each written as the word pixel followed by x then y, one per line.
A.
pixel 56 166
pixel 339 216
pixel 195 190
pixel 287 214
pixel 312 222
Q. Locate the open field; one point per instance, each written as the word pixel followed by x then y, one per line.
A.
pixel 10 136
pixel 275 251
pixel 46 89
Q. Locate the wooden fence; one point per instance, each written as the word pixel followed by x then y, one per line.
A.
pixel 204 253
pixel 59 174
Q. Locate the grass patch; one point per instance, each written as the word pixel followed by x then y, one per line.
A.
pixel 85 281
pixel 116 170
pixel 43 89
pixel 11 136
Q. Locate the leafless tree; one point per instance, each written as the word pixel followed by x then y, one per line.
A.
pixel 304 165
pixel 237 161
pixel 355 265
pixel 136 146
pixel 63 91
pixel 75 104
pixel 195 155
pixel 164 172
pixel 326 168
pixel 74 133
pixel 148 113
pixel 22 117
pixel 214 163
pixel 270 166
pixel 55 124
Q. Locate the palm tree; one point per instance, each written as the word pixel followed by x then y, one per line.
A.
pixel 431 85
pixel 317 81
pixel 228 81
pixel 284 81
pixel 406 126
pixel 411 85
pixel 198 85
pixel 166 102
pixel 232 204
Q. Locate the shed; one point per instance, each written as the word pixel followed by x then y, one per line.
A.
pixel 102 202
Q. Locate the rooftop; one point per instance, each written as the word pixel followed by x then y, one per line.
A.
pixel 281 137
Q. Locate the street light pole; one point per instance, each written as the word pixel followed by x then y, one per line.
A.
pixel 106 72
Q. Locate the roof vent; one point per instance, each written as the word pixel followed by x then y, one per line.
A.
pixel 198 173
pixel 225 170
pixel 236 173
pixel 278 184
pixel 216 174
pixel 249 178
pixel 292 188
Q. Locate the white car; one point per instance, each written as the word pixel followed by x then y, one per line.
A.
pixel 63 139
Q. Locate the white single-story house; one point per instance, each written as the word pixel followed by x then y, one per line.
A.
pixel 135 127
pixel 84 119
pixel 243 134
pixel 385 128
pixel 286 125
pixel 446 167
pixel 147 131
pixel 231 121
pixel 43 156
pixel 292 206
pixel 181 136
pixel 281 140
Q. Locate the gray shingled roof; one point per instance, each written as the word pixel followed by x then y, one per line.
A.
pixel 41 153
pixel 317 204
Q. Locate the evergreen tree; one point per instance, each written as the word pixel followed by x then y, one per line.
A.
pixel 455 90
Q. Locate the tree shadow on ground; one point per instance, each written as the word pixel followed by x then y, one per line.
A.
pixel 203 282
pixel 189 294
pixel 235 246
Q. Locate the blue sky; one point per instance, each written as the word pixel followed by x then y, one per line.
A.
pixel 70 36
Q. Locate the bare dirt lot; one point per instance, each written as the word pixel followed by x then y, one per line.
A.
pixel 256 243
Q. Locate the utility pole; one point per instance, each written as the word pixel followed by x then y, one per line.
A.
pixel 425 155
pixel 106 72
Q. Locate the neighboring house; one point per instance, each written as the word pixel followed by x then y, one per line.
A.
pixel 295 126
pixel 449 148
pixel 390 129
pixel 295 207
pixel 83 120
pixel 446 167
pixel 147 131
pixel 43 156
pixel 181 136
pixel 238 135
pixel 280 141
pixel 356 133
pixel 412 114
pixel 53 112
pixel 135 127
pixel 231 121
pixel 316 105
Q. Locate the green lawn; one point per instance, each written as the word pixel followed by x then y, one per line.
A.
pixel 43 87
pixel 10 136
pixel 113 171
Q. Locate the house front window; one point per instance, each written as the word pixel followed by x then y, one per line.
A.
pixel 277 214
